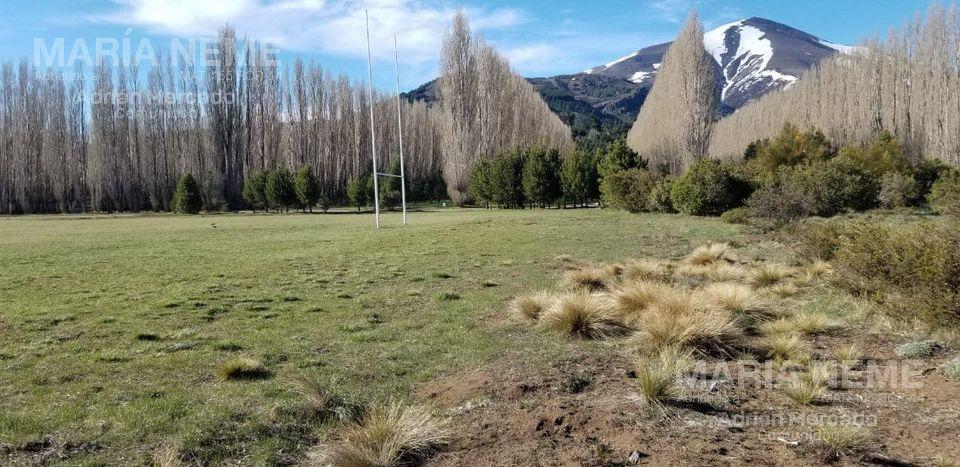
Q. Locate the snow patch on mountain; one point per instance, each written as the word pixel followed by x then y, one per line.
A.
pixel 844 49
pixel 639 76
pixel 715 40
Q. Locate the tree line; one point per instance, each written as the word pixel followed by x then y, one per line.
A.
pixel 122 138
pixel 907 85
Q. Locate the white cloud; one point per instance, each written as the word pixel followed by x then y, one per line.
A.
pixel 332 27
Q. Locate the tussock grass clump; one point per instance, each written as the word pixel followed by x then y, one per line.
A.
pixel 784 290
pixel 735 298
pixel 785 347
pixel 709 254
pixel 530 307
pixel 848 356
pixel 804 389
pixel 811 323
pixel 767 275
pixel 591 279
pixel 583 316
pixel 657 376
pixel 840 437
pixel 243 369
pixel 323 402
pixel 707 329
pixel 920 349
pixel 390 435
pixel 819 268
pixel 719 272
pixel 637 296
pixel 645 270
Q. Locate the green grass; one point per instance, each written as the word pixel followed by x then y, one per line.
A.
pixel 114 328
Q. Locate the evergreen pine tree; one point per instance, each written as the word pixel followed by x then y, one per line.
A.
pixel 186 199
pixel 307 188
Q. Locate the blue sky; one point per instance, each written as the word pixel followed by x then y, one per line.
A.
pixel 541 37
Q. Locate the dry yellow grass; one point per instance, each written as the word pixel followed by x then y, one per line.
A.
pixel 709 254
pixel 708 330
pixel 766 275
pixel 530 307
pixel 634 297
pixel 803 390
pixel 718 272
pixel 839 437
pixel 657 376
pixel 848 355
pixel 388 435
pixel 166 456
pixel 819 268
pixel 784 290
pixel 783 347
pixel 590 279
pixel 646 270
pixel 735 298
pixel 812 323
pixel 582 315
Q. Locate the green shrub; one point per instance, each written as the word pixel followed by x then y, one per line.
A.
pixel 914 273
pixel 578 177
pixel 541 176
pixel 307 188
pixel 618 157
pixel 814 189
pixel 898 190
pixel 708 188
pixel 357 192
pixel 951 369
pixel 480 183
pixel 790 147
pixel 255 191
pixel 659 199
pixel 919 349
pixel 818 239
pixel 882 156
pixel 281 189
pixel 186 200
pixel 945 194
pixel 628 190
pixel 926 173
pixel 736 216
pixel 506 179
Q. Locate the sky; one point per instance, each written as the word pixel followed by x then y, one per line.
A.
pixel 540 37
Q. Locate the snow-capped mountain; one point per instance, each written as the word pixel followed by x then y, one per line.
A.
pixel 753 56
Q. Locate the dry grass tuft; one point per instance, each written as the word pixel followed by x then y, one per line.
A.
pixel 243 368
pixel 166 456
pixel 766 275
pixel 582 315
pixel 784 290
pixel 819 268
pixel 657 376
pixel 324 402
pixel 530 307
pixel 848 356
pixel 803 389
pixel 784 347
pixel 590 279
pixel 735 298
pixel 687 322
pixel 840 437
pixel 388 435
pixel 811 323
pixel 635 297
pixel 709 254
pixel 645 270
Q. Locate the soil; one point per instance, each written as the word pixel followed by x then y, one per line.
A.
pixel 583 411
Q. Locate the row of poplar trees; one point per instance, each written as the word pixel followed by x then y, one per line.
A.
pixel 120 138
pixel 907 85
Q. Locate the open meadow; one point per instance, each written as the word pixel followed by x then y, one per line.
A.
pixel 114 328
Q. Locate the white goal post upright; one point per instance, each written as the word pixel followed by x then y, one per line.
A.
pixel 403 179
pixel 373 134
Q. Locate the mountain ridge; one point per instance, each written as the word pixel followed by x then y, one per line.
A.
pixel 753 56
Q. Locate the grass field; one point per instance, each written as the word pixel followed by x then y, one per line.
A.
pixel 112 329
